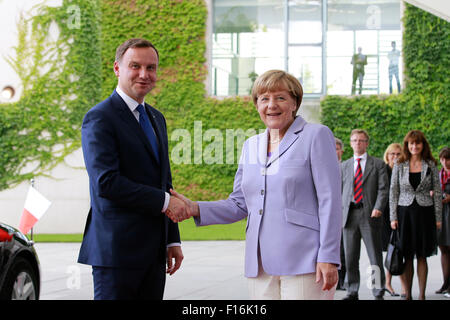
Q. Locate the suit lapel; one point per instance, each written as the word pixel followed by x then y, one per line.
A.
pixel 163 149
pixel 350 170
pixel 158 127
pixel 423 173
pixel 291 135
pixel 368 168
pixel 127 116
pixel 262 147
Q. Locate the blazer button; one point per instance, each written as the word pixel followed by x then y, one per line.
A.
pixel 260 211
pixel 262 192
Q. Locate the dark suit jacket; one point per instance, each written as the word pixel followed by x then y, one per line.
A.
pixel 125 227
pixel 375 188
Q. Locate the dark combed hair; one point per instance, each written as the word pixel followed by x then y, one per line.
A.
pixel 133 43
pixel 416 136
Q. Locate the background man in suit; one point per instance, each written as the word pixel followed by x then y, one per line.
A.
pixel 365 191
pixel 128 237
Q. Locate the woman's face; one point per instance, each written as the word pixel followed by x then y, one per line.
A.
pixel 415 148
pixel 445 163
pixel 393 155
pixel 276 110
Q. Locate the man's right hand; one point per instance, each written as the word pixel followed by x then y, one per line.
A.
pixel 177 210
pixel 192 205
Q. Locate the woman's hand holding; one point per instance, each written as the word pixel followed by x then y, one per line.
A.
pixel 394 224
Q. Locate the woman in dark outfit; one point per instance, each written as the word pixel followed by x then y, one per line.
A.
pixel 414 210
pixel 444 232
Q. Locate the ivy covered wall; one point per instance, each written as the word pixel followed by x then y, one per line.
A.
pixel 60 82
pixel 63 79
pixel 423 105
pixel 55 104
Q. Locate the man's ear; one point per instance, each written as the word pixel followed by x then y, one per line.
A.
pixel 116 68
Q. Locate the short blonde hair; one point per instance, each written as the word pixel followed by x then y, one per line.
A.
pixel 359 131
pixel 391 148
pixel 277 80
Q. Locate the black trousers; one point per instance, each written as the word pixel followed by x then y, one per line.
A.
pixel 129 283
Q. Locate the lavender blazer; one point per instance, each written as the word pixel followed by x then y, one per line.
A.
pixel 292 201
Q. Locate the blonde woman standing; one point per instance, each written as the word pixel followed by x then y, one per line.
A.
pixel 392 153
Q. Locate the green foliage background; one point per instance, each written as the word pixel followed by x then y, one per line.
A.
pixel 54 103
pixel 424 104
pixel 60 83
pixel 63 79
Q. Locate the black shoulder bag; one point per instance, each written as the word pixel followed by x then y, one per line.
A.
pixel 395 261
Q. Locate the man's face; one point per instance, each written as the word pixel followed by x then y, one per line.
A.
pixel 359 143
pixel 137 72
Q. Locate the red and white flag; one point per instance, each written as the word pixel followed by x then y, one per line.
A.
pixel 35 207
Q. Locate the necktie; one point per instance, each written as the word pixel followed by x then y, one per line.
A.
pixel 357 185
pixel 148 130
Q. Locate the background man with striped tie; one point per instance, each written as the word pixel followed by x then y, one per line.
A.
pixel 365 191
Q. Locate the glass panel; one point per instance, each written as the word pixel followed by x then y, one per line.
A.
pixel 363 14
pixel 340 49
pixel 386 38
pixel 305 21
pixel 248 40
pixel 305 63
pixel 370 25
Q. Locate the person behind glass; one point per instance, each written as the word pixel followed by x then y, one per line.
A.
pixel 359 61
pixel 364 197
pixel 393 57
pixel 413 211
pixel 444 233
pixel 287 185
pixel 392 153
pixel 341 272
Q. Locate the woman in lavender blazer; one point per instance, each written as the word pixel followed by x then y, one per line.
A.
pixel 288 186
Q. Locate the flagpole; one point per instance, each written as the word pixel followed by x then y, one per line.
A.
pixel 31 234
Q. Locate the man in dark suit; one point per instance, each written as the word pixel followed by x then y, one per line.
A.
pixel 365 191
pixel 341 271
pixel 128 237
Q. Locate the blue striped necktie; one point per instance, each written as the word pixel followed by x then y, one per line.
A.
pixel 148 130
pixel 358 195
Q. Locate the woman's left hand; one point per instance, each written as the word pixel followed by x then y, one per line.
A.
pixel 438 225
pixel 328 272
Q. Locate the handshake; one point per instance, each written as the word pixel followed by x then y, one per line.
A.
pixel 181 208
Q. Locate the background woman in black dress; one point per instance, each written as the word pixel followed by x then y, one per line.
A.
pixel 414 209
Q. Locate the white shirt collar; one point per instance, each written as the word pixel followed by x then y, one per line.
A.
pixel 130 102
pixel 363 157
